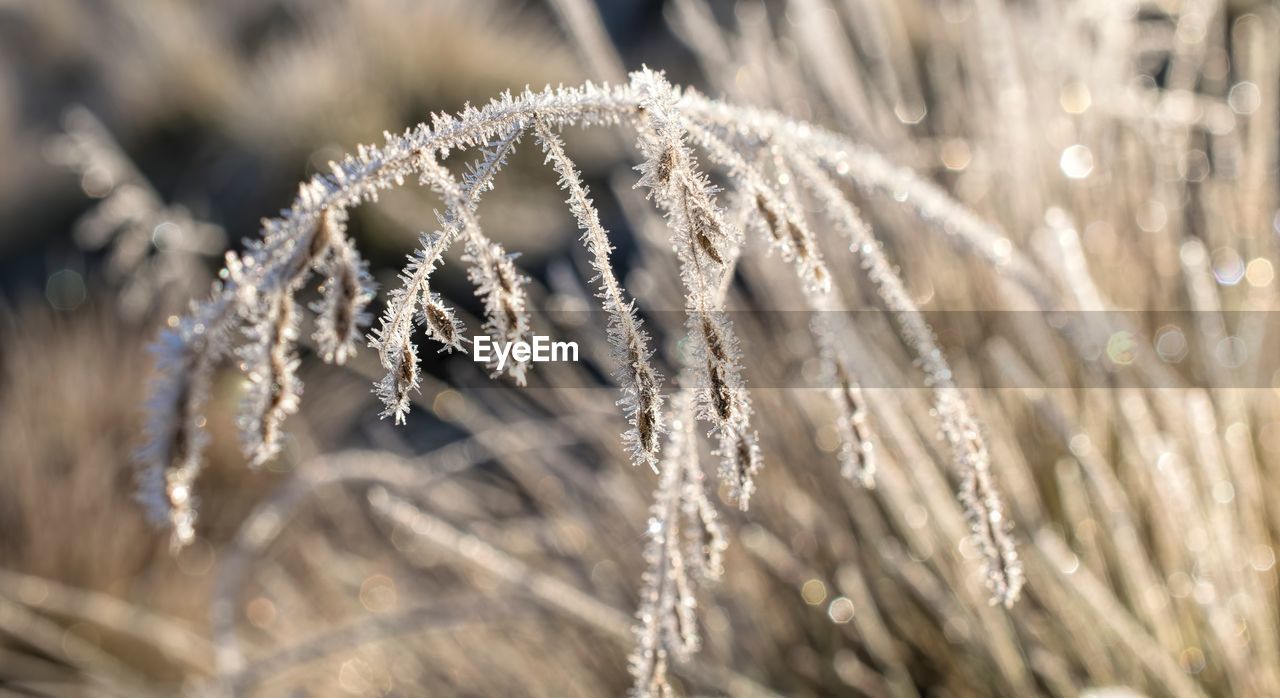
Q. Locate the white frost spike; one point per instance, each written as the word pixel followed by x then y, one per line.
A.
pixel 641 400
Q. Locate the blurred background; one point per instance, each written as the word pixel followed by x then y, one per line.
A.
pixel 1124 155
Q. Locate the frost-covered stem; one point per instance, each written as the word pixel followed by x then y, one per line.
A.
pixel 668 627
pixel 393 338
pixel 871 172
pixel 271 365
pixel 704 534
pixel 857 452
pixel 404 303
pixel 187 356
pixel 782 221
pixel 492 271
pixel 699 234
pixel 268 359
pixel 640 383
pixel 802 246
pixel 978 494
pixel 170 462
pixel 258 290
pixel 281 260
pixel 784 224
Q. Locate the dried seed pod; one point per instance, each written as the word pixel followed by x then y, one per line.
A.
pixel 442 324
pixel 397 386
pixel 343 298
pixel 706 231
pixel 719 392
pixel 714 341
pixel 857 453
pixel 772 221
pixel 740 452
pixel 666 166
pixel 798 241
pixel 501 287
pixel 323 236
pixel 647 406
pixel 271 366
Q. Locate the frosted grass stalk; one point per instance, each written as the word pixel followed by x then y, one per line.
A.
pixel 640 382
pixel 699 233
pixel 256 292
pixel 982 502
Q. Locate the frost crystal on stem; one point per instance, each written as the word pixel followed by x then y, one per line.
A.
pixel 699 235
pixel 345 294
pixel 668 627
pixel 272 367
pixel 495 277
pixel 982 503
pixel 641 384
pixel 776 209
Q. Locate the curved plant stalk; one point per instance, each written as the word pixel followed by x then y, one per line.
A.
pixel 255 294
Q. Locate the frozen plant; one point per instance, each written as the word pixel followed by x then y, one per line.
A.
pixel 773 162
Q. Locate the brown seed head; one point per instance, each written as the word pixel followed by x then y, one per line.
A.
pixel 441 322
pixel 666 166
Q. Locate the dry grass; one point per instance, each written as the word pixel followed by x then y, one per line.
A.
pixel 494 546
